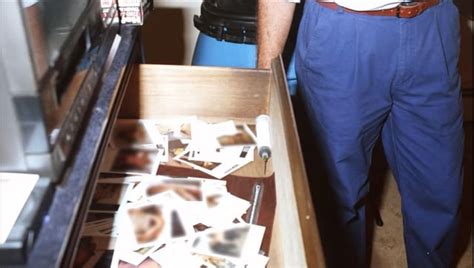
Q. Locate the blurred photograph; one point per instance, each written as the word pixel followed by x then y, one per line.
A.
pixel 177 226
pixel 148 223
pixel 189 190
pixel 127 133
pixel 237 242
pixel 243 136
pixel 132 160
pixel 176 147
pixel 206 165
pixel 147 263
pixel 222 242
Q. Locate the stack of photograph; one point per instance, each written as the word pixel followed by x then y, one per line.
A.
pixel 140 219
pixel 217 149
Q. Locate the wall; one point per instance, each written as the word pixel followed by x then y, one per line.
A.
pixel 169 35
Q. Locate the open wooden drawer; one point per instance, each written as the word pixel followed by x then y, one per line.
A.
pixel 217 94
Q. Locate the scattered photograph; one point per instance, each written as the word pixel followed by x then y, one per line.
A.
pixel 140 219
pixel 129 132
pixel 177 227
pixel 226 154
pixel 176 147
pixel 147 263
pixel 133 258
pixel 175 128
pixel 211 261
pixel 189 190
pixel 119 178
pixel 202 165
pixel 237 242
pixel 226 243
pixel 148 222
pixel 132 160
pixel 243 136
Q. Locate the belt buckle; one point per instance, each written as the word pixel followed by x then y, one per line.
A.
pixel 409 3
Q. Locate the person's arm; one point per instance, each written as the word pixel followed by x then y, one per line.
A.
pixel 273 25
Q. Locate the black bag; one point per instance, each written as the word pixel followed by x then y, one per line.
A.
pixel 229 20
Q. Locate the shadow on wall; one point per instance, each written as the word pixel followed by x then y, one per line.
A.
pixel 163 36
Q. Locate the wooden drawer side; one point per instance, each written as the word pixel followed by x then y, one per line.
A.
pixel 301 247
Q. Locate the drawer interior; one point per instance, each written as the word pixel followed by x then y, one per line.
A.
pixel 219 94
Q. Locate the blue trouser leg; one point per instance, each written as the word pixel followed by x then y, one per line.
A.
pixel 360 74
pixel 423 136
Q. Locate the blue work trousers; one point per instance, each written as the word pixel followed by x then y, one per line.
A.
pixel 363 77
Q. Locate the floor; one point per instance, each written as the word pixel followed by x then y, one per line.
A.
pixel 387 241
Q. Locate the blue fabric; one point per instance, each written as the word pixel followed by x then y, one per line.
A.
pixel 212 52
pixel 363 77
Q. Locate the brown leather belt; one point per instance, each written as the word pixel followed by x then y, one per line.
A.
pixel 408 10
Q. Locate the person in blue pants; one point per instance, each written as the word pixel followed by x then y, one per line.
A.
pixel 367 71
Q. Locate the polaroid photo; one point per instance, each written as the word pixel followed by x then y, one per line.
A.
pixel 215 169
pixel 125 252
pixel 153 186
pixel 130 132
pixel 187 189
pixel 109 196
pixel 229 168
pixel 120 179
pixel 223 208
pixel 132 161
pixel 185 193
pixel 203 136
pixel 175 127
pixel 162 145
pixel 176 147
pixel 216 262
pixel 210 182
pixel 146 263
pixel 213 193
pixel 204 166
pixel 181 224
pixel 145 225
pixel 183 130
pixel 257 261
pixel 226 154
pixel 213 199
pixel 242 136
pixel 166 197
pixel 224 128
pixel 138 191
pixel 236 242
pixel 137 257
pixel 175 254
